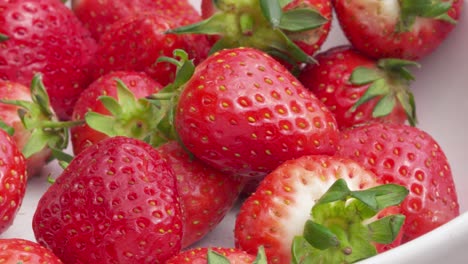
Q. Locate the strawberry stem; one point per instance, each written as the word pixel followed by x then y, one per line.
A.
pixel 3 37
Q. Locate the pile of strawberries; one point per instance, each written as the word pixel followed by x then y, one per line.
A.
pixel 175 116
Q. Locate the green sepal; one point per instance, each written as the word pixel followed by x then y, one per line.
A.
pixel 384 106
pixel 3 37
pixel 284 3
pixel 261 257
pixel 399 67
pixel 386 230
pixel 409 105
pixel 214 257
pixel 364 75
pixel 323 237
pixel 214 25
pixel 272 11
pixel 37 141
pixel 301 19
pixel 101 123
pixel 62 157
pixel 410 9
pixel 8 129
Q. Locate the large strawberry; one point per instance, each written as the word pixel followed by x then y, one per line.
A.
pixel 13 180
pixel 99 15
pixel 216 255
pixel 136 42
pixel 242 112
pixel 290 30
pixel 17 250
pixel 358 89
pixel 117 110
pixel 320 209
pixel 411 157
pixel 116 202
pixel 206 194
pixel 405 29
pixel 44 36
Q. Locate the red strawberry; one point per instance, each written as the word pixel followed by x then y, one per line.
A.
pixel 411 157
pixel 44 36
pixel 206 195
pixel 211 255
pixel 16 250
pixel 135 43
pixel 304 210
pixel 405 29
pixel 358 89
pixel 99 15
pixel 12 180
pixel 134 121
pixel 116 202
pixel 243 113
pixel 289 30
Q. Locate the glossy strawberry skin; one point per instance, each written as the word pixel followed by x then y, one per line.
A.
pixel 329 81
pixel 411 157
pixel 199 256
pixel 243 113
pixel 45 36
pixel 9 115
pixel 372 31
pixel 116 202
pixel 13 180
pixel 98 16
pixel 16 250
pixel 139 84
pixel 206 194
pixel 279 208
pixel 135 43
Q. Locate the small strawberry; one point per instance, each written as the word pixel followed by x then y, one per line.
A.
pixel 216 255
pixel 243 113
pixel 99 15
pixel 12 180
pixel 358 89
pixel 291 31
pixel 44 36
pixel 405 29
pixel 206 195
pixel 17 250
pixel 410 157
pixel 116 202
pixel 304 212
pixel 136 42
pixel 117 110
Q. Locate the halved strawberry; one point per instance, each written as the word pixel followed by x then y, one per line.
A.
pixel 304 212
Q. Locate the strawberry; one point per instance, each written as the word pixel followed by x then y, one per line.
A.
pixel 17 250
pixel 206 195
pixel 410 157
pixel 116 202
pixel 99 15
pixel 292 31
pixel 44 36
pixel 405 29
pixel 12 180
pixel 304 212
pixel 133 118
pixel 243 113
pixel 215 255
pixel 358 89
pixel 136 42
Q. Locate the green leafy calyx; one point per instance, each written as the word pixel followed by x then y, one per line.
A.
pixel 411 9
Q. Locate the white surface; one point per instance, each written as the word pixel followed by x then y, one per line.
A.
pixel 441 92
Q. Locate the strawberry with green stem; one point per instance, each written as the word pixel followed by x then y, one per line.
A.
pixel 358 89
pixel 405 29
pixel 289 30
pixel 320 209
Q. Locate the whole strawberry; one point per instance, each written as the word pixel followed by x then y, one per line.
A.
pixel 320 209
pixel 410 157
pixel 99 15
pixel 206 194
pixel 136 42
pixel 291 31
pixel 405 29
pixel 215 255
pixel 13 180
pixel 116 202
pixel 243 113
pixel 44 36
pixel 131 118
pixel 17 250
pixel 358 89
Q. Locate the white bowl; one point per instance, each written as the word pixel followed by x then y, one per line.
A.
pixel 441 91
